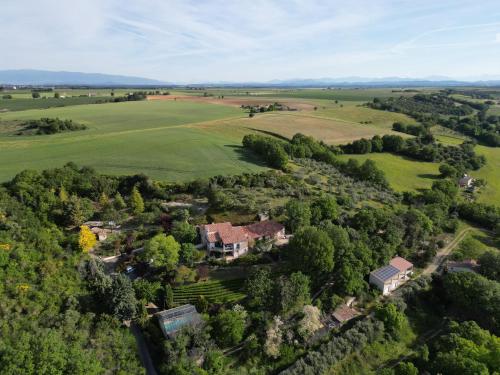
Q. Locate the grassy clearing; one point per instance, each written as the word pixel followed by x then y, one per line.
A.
pixel 160 139
pixel 491 174
pixel 403 174
pixel 213 291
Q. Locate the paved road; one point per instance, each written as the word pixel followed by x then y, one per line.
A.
pixel 146 360
pixel 443 253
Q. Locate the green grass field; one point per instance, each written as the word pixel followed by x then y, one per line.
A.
pixel 23 104
pixel 403 174
pixel 184 139
pixel 491 174
pixel 161 139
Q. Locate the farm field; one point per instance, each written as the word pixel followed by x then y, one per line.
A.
pixel 341 94
pixel 403 174
pixel 155 138
pixel 329 130
pixel 22 104
pixel 173 140
pixel 213 291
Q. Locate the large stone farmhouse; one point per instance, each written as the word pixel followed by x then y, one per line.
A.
pixel 224 240
pixel 389 277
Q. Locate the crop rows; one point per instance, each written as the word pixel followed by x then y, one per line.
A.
pixel 229 290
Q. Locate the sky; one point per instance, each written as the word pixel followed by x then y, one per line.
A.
pixel 254 41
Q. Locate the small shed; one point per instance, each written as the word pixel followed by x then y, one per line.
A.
pixel 344 313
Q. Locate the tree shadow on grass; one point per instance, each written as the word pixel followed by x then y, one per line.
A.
pixel 246 155
pixel 429 176
pixel 487 240
pixel 276 135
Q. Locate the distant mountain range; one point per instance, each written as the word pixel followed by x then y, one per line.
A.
pixel 48 78
pixel 31 77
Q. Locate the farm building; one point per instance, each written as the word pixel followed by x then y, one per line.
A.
pixel 466 181
pixel 467 265
pixel 389 277
pixel 173 320
pixel 230 242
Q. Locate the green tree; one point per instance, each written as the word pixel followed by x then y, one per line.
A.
pixel 188 254
pixel 35 95
pixel 122 298
pixel 298 214
pixel 146 290
pixel 183 231
pixel 215 363
pixel 291 293
pixel 136 201
pixel 119 202
pixel 258 287
pixel 77 210
pixel 324 208
pixel 448 171
pixel 168 298
pixel 228 327
pixel 393 319
pixel 490 265
pixel 406 368
pixel 311 251
pixel 161 251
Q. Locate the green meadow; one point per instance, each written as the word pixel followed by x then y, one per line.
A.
pixel 162 139
pixel 181 140
pixel 403 174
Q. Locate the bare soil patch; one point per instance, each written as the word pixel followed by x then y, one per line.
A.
pixel 236 102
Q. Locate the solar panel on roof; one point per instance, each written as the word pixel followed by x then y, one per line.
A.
pixel 386 272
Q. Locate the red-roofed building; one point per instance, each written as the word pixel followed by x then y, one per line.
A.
pixel 265 230
pixel 230 242
pixel 405 268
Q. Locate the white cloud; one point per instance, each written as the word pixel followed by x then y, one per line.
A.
pixel 190 40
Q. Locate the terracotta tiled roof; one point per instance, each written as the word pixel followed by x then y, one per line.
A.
pixel 400 263
pixel 263 228
pixel 343 313
pixel 225 232
pixel 235 234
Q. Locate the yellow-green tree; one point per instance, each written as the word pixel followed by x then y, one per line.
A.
pixel 136 201
pixel 63 194
pixel 86 239
pixel 103 200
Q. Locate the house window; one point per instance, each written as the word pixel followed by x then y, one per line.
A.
pixel 237 246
